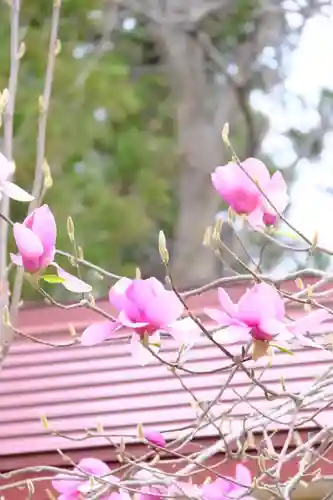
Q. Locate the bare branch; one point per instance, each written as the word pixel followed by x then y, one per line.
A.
pixel 44 103
pixel 5 333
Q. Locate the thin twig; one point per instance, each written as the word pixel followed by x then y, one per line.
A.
pixel 6 335
pixel 44 104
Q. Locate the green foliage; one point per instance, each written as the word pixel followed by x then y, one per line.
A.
pixel 109 139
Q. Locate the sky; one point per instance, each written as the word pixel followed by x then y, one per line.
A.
pixel 310 69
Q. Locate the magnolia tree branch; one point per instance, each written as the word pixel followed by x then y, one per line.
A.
pixel 44 104
pixel 8 124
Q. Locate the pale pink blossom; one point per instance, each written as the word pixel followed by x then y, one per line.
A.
pixel 181 489
pixel 70 282
pixel 276 192
pixel 147 308
pixel 154 437
pixel 150 493
pixel 224 489
pixel 308 324
pixel 35 239
pixel 239 188
pixel 7 187
pixel 71 488
pixel 121 495
pixel 260 315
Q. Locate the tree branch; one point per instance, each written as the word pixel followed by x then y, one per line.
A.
pixel 5 332
pixel 44 104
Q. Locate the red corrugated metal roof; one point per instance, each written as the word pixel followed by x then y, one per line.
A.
pixel 78 387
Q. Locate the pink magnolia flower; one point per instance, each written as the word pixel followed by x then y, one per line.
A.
pixel 222 489
pixel 241 191
pixel 35 239
pixel 150 493
pixel 276 191
pixel 71 488
pixel 147 308
pixel 236 188
pixel 121 495
pixel 181 489
pixel 308 324
pixel 154 437
pixel 7 187
pixel 260 315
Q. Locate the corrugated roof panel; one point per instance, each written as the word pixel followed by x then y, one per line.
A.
pixel 78 387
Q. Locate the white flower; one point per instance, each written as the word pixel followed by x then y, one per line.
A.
pixel 10 189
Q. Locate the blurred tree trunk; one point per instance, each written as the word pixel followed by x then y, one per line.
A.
pixel 199 118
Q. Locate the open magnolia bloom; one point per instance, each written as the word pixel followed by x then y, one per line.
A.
pixel 242 188
pixel 223 489
pixel 71 488
pixel 276 192
pixel 35 239
pixel 7 187
pixel 260 315
pixel 147 309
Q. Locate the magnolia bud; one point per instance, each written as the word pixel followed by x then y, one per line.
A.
pixel 21 50
pixel 163 248
pixel 44 421
pixel 48 181
pixel 57 49
pixel 207 239
pixel 225 134
pixel 70 228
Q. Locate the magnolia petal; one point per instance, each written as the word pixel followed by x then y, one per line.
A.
pixel 185 331
pixel 44 226
pixel 68 496
pixel 259 302
pixel 149 494
pixel 65 484
pixel 99 332
pixel 124 495
pixel 255 219
pixel 163 309
pixel 257 170
pixel 72 283
pixel 232 334
pixel 117 295
pixel 7 168
pixel 125 321
pixel 226 303
pixel 115 496
pixel 16 259
pixel 27 242
pixel 310 322
pixel 306 341
pixel 218 490
pixel 273 327
pixel 121 495
pixel 276 192
pixel 140 353
pixel 94 466
pixel 15 192
pixel 155 285
pixel 216 315
pixel 243 475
